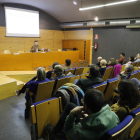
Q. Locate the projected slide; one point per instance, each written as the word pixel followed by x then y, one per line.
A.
pixel 21 22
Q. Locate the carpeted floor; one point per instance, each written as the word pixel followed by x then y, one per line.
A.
pixel 12 122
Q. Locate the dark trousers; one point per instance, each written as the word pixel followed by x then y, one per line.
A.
pixel 57 128
pixel 23 89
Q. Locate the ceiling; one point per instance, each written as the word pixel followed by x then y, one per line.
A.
pixel 66 11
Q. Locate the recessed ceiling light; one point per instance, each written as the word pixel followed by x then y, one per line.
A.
pixel 109 4
pixel 75 2
pixel 96 19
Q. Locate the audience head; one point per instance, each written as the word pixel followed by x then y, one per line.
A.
pixel 93 101
pixel 99 59
pixel 138 55
pixel 103 63
pixel 54 64
pixel 129 68
pixel 94 70
pixel 129 94
pixel 131 58
pixel 58 70
pixel 36 42
pixel 122 55
pixel 41 74
pixel 112 61
pixel 67 62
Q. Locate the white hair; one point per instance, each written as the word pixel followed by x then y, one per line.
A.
pixel 129 68
pixel 41 74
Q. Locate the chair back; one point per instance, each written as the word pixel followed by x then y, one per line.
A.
pixel 53 74
pixel 138 75
pixel 61 81
pixel 123 67
pixel 124 62
pixel 86 70
pixel 101 87
pixel 41 114
pixel 138 64
pixel 107 73
pixel 44 91
pixel 67 71
pixel 132 75
pixel 136 124
pixel 136 68
pixel 133 64
pixel 83 76
pixel 111 85
pixel 78 71
pixel 112 73
pixel 120 131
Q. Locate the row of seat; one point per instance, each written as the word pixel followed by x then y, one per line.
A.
pixel 43 113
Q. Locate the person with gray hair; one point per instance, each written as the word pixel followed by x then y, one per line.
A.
pixel 137 57
pixel 32 85
pixel 59 72
pixel 128 69
pixel 99 59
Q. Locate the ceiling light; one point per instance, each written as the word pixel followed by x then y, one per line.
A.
pixel 96 19
pixel 109 4
pixel 75 3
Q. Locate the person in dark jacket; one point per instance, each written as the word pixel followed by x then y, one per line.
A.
pixel 59 72
pixel 99 59
pixel 49 73
pixel 92 79
pixel 103 64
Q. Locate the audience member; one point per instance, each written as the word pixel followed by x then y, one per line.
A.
pixel 112 62
pixel 137 57
pixel 67 64
pixel 32 85
pixel 99 59
pixel 103 63
pixel 128 69
pixel 129 99
pixel 131 59
pixel 49 73
pixel 92 79
pixel 122 55
pixel 137 82
pixel 97 119
pixel 59 72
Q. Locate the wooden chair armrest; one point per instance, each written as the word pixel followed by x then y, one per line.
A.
pixel 27 90
pixel 30 93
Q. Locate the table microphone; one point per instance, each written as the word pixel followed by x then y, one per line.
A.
pixel 11 50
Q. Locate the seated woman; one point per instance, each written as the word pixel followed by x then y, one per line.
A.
pixel 103 63
pixel 49 73
pixel 59 72
pixel 32 85
pixel 131 59
pixel 129 99
pixel 112 62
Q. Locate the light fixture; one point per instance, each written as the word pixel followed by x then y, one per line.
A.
pixel 96 19
pixel 75 2
pixel 109 4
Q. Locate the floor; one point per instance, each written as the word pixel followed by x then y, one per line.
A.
pixel 12 122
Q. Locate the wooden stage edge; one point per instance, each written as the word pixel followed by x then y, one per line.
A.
pixel 13 80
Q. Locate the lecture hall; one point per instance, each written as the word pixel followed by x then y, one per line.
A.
pixel 70 70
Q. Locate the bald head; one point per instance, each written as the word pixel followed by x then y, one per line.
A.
pixel 99 59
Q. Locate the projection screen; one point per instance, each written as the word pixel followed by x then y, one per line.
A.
pixel 21 22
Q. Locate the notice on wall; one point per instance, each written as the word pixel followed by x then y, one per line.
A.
pixel 96 36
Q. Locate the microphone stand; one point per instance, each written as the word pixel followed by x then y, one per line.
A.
pixel 11 50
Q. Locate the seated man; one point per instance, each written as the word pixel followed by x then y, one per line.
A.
pixel 98 119
pixel 92 79
pixel 67 64
pixel 49 73
pixel 128 69
pixel 99 59
pixel 122 55
pixel 35 47
pixel 59 72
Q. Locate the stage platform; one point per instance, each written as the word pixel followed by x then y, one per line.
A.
pixel 13 80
